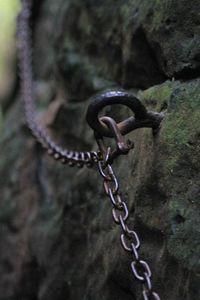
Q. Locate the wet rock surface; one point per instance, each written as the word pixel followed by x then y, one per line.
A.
pixel 57 237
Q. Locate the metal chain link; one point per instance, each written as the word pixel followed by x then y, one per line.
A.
pixel 25 65
pixel 129 237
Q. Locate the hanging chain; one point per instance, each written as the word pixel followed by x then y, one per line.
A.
pixel 25 64
pixel 142 118
pixel 104 158
pixel 129 237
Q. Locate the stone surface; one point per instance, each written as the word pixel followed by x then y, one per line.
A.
pixel 57 237
pixel 132 43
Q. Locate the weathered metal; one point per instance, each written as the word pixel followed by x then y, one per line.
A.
pixel 103 127
pixel 142 117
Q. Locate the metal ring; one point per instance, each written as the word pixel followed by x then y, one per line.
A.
pixel 123 208
pixel 115 97
pixel 124 243
pixel 145 266
pixel 115 201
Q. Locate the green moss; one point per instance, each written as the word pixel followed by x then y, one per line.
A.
pixel 179 162
pixel 186 247
pixel 184 240
pixel 181 125
pixel 158 96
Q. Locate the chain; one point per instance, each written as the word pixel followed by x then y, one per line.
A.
pixel 129 237
pixel 120 213
pixel 25 65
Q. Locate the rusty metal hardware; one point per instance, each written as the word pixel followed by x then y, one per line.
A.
pixel 122 146
pixel 143 118
pixel 103 127
pixel 107 127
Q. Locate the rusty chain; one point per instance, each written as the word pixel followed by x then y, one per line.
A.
pixel 105 157
pixel 25 65
pixel 129 237
pixel 142 118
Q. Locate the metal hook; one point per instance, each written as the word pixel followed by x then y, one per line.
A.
pixel 142 117
pixel 123 147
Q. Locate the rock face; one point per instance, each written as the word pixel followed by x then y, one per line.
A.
pixel 57 238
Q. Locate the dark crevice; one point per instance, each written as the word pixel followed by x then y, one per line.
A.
pixel 36 11
pixel 179 219
pixel 29 282
pixel 152 235
pixel 187 74
pixel 117 285
pixel 142 70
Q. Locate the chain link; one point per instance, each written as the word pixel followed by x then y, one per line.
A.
pixel 129 238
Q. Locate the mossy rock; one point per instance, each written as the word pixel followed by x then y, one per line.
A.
pixel 168 197
pixel 57 230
